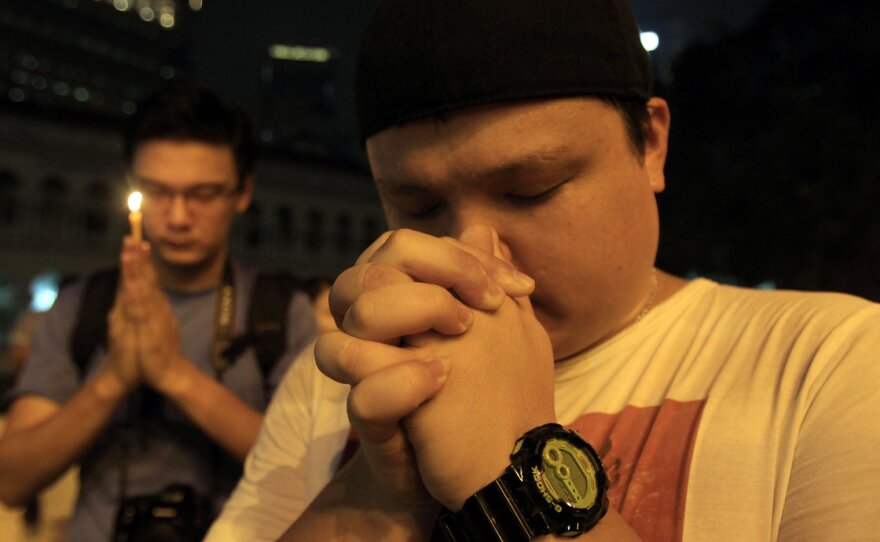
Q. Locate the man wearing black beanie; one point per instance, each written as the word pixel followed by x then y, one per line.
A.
pixel 510 365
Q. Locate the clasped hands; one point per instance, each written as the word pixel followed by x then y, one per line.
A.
pixel 447 363
pixel 143 337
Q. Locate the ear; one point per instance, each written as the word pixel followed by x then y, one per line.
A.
pixel 243 197
pixel 656 144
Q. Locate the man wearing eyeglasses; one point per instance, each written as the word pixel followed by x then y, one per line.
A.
pixel 162 417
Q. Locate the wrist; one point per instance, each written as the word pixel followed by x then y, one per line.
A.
pixel 470 484
pixel 109 387
pixel 555 484
pixel 494 462
pixel 413 512
pixel 177 378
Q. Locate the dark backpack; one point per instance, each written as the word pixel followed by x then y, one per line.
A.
pixel 266 328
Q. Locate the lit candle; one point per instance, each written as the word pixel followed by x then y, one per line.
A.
pixel 135 217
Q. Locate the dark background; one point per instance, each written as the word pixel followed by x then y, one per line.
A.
pixel 774 165
pixel 774 171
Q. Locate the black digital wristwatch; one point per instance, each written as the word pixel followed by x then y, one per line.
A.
pixel 555 484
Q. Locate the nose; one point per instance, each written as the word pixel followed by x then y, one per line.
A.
pixel 465 217
pixel 478 226
pixel 178 212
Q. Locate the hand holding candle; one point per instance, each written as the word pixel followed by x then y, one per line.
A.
pixel 135 217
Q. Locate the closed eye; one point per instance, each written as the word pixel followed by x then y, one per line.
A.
pixel 424 212
pixel 536 198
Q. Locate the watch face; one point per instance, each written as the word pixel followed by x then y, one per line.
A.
pixel 569 474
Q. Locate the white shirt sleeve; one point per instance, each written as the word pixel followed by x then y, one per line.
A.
pixel 296 453
pixel 833 489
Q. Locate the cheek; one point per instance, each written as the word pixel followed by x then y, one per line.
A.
pixel 583 247
pixel 150 223
pixel 620 223
pixel 542 247
pixel 215 227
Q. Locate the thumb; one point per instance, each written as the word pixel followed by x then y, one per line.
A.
pixel 500 248
pixel 479 236
pixel 501 251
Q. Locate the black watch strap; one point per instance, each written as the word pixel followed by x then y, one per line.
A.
pixel 493 514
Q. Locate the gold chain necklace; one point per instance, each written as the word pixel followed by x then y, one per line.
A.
pixel 650 304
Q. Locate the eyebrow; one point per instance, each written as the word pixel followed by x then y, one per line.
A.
pixel 518 166
pixel 136 180
pixel 526 163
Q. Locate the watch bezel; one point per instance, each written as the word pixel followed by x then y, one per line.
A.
pixel 559 515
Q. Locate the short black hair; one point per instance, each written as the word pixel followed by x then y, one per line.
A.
pixel 636 119
pixel 191 112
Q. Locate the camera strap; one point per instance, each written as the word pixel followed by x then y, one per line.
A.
pixel 146 401
pixel 224 321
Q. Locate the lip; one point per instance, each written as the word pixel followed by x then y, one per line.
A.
pixel 177 245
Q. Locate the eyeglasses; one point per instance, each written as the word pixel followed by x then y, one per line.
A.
pixel 195 197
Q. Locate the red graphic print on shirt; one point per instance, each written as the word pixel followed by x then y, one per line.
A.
pixel 647 452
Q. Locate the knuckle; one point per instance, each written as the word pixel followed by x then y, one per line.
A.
pixel 399 239
pixel 440 299
pixel 338 299
pixel 349 355
pixel 323 347
pixel 360 314
pixel 357 406
pixel 377 275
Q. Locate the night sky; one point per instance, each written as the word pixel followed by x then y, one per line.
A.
pixel 232 36
pixel 232 42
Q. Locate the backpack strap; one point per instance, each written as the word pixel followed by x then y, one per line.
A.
pixel 90 330
pixel 267 317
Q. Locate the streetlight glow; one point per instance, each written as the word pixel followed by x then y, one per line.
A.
pixel 650 40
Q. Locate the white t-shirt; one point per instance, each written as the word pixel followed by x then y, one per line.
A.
pixel 725 414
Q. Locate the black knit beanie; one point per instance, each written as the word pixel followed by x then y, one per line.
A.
pixel 420 58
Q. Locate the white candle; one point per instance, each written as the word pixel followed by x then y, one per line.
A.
pixel 135 217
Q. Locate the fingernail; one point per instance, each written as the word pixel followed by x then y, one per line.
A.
pixel 438 368
pixel 496 244
pixel 465 316
pixel 523 280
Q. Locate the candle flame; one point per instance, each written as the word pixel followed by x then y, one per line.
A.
pixel 134 201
